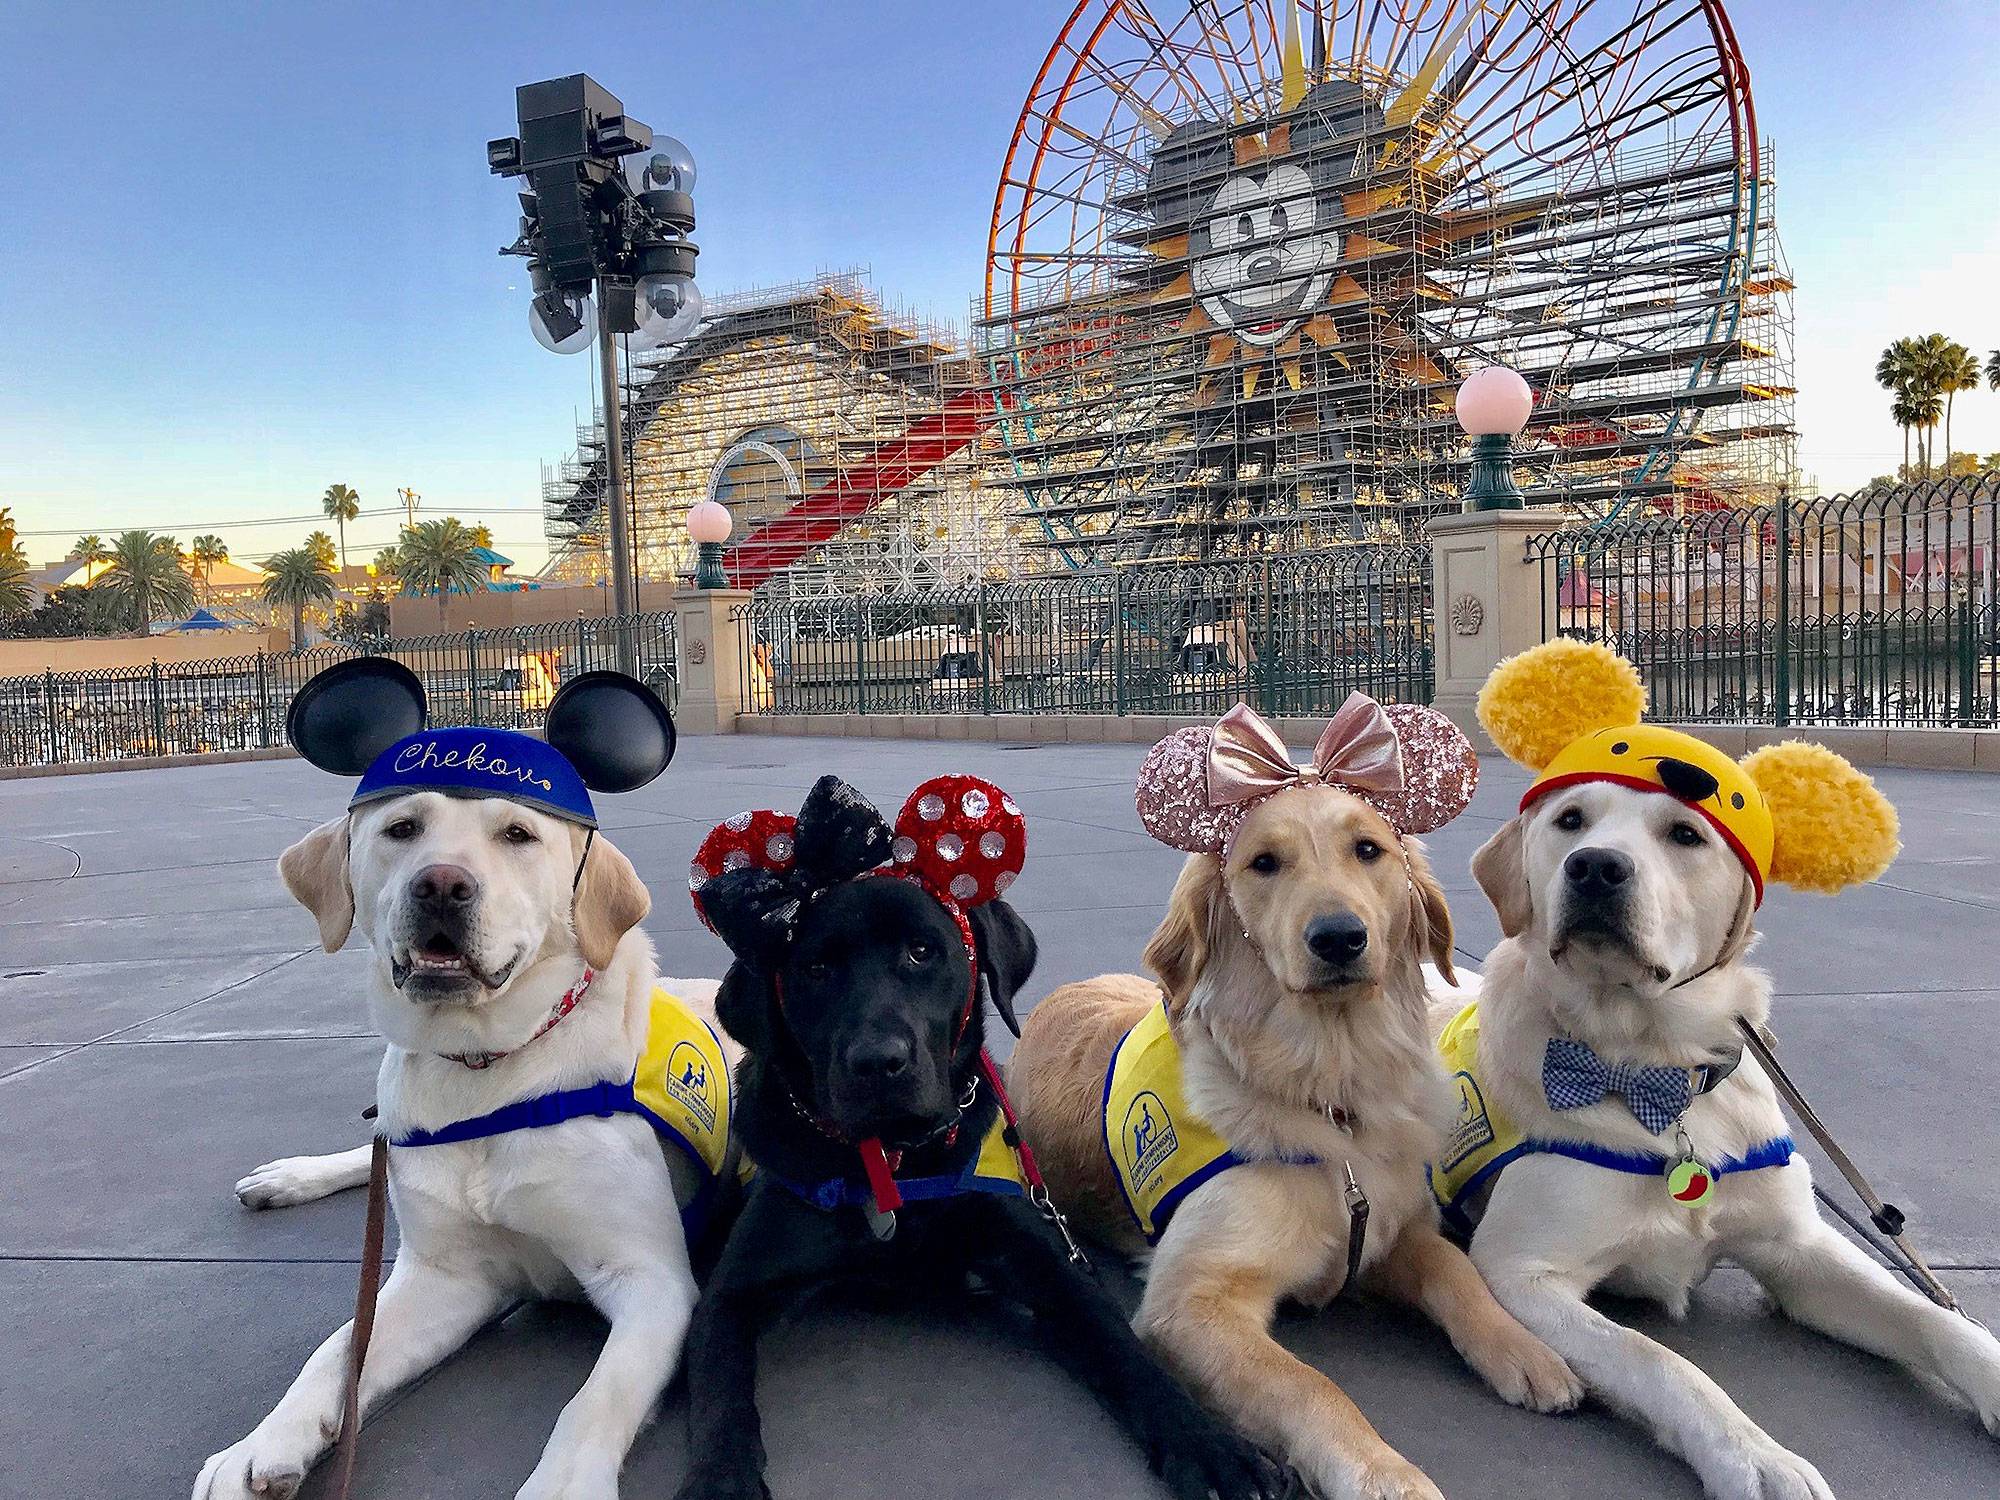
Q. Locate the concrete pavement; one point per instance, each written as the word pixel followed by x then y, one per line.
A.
pixel 167 1022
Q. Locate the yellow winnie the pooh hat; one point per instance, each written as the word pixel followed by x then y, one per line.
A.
pixel 1572 711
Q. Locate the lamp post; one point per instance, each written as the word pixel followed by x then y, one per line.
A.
pixel 605 220
pixel 708 525
pixel 1493 407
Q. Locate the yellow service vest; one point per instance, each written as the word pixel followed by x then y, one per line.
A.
pixel 1482 1141
pixel 682 1083
pixel 1159 1147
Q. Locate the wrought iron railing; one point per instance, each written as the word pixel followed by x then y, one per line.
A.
pixel 1290 635
pixel 1873 608
pixel 502 678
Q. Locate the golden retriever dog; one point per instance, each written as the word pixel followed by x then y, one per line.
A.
pixel 1294 982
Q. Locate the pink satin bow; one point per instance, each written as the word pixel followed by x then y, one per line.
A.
pixel 1358 749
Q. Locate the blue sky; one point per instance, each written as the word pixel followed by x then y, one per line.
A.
pixel 248 250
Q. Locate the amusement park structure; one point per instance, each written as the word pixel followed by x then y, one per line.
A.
pixel 1242 254
pixel 841 435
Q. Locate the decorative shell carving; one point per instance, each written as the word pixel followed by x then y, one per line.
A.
pixel 697 651
pixel 1467 615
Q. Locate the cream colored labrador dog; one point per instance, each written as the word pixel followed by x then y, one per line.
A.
pixel 1626 922
pixel 479 939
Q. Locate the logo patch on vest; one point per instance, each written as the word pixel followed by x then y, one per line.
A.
pixel 688 1083
pixel 1149 1135
pixel 1471 1129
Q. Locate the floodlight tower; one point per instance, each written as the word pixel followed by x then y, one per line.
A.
pixel 606 241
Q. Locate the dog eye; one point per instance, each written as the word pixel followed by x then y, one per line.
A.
pixel 1367 851
pixel 1687 835
pixel 1569 819
pixel 1265 864
pixel 517 833
pixel 919 952
pixel 403 828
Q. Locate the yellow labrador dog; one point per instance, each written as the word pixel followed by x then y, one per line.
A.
pixel 1621 1136
pixel 508 965
pixel 1291 963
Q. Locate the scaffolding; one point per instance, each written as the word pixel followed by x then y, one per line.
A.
pixel 840 434
pixel 1225 318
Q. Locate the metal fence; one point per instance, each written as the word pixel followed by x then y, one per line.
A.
pixel 502 678
pixel 1874 608
pixel 1290 635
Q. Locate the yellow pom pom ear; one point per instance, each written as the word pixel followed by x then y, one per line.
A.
pixel 1833 827
pixel 1537 704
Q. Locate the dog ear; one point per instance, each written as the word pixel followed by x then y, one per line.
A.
pixel 1006 948
pixel 315 872
pixel 610 901
pixel 1501 869
pixel 1178 948
pixel 742 1005
pixel 1743 929
pixel 1432 913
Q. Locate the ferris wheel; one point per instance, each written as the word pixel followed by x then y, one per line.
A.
pixel 1243 252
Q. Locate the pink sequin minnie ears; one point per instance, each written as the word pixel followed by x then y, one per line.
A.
pixel 1408 762
pixel 959 837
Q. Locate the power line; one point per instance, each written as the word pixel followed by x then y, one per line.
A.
pixel 319 516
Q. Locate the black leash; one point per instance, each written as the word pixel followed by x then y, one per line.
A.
pixel 1888 1219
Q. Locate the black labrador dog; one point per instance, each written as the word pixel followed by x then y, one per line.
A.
pixel 857 1002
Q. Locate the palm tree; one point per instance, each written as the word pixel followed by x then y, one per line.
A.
pixel 10 539
pixel 320 545
pixel 89 549
pixel 388 566
pixel 436 558
pixel 1957 370
pixel 13 584
pixel 1897 372
pixel 297 578
pixel 1993 370
pixel 341 505
pixel 207 551
pixel 145 581
pixel 483 534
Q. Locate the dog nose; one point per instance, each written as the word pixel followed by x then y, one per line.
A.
pixel 444 887
pixel 1337 939
pixel 880 1058
pixel 1597 872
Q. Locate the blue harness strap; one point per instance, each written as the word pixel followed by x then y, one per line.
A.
pixel 597 1100
pixel 600 1099
pixel 1772 1153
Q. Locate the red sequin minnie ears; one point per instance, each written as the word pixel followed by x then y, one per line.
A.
pixel 960 837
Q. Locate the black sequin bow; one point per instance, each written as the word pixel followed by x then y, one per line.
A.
pixel 840 835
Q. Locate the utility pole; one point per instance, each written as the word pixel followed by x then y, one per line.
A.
pixel 624 588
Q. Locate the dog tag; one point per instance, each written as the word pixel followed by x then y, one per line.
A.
pixel 1689 1180
pixel 881 1223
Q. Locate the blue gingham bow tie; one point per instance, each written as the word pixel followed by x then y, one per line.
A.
pixel 1573 1077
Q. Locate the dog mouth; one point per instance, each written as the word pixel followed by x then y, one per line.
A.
pixel 439 961
pixel 1601 933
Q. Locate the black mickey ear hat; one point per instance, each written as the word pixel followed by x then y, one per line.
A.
pixel 613 729
pixel 347 715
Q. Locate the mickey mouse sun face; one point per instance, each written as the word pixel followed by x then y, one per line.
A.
pixel 1260 260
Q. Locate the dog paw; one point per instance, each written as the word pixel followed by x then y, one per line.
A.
pixel 282 1183
pixel 1197 1464
pixel 723 1482
pixel 1524 1371
pixel 243 1473
pixel 571 1476
pixel 1760 1469
pixel 1394 1477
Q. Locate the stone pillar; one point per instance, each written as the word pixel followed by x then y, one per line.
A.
pixel 711 648
pixel 1491 599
